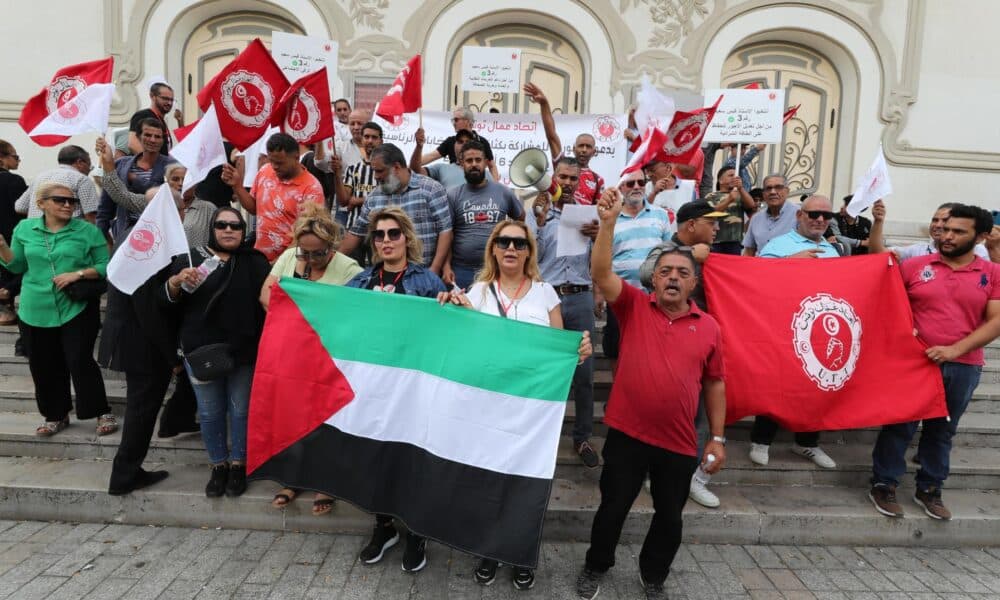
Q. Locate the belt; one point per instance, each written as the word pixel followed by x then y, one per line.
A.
pixel 567 289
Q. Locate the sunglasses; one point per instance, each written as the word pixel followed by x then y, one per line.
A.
pixel 64 200
pixel 14 156
pixel 634 183
pixel 504 241
pixel 393 234
pixel 815 214
pixel 314 255
pixel 231 225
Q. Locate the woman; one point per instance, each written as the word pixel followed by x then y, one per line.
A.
pixel 510 286
pixel 221 311
pixel 11 188
pixel 397 270
pixel 314 257
pixel 53 252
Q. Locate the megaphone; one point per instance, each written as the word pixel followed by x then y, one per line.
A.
pixel 530 169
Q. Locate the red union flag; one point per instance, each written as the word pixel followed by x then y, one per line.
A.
pixel 57 97
pixel 686 132
pixel 405 95
pixel 245 93
pixel 304 111
pixel 832 347
pixel 790 113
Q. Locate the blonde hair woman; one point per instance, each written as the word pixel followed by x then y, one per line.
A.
pixel 398 254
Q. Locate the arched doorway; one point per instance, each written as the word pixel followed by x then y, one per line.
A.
pixel 216 42
pixel 547 59
pixel 807 154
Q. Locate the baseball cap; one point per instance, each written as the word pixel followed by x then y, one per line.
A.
pixel 697 208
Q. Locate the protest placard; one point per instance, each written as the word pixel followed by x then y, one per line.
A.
pixel 299 55
pixel 491 69
pixel 746 116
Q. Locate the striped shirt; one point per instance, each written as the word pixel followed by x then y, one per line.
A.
pixel 361 179
pixel 635 237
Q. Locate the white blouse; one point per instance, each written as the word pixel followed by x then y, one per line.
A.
pixel 533 307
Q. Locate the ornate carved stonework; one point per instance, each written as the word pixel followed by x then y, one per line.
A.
pixel 368 13
pixel 673 20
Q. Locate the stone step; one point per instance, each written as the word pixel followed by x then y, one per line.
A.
pixel 75 491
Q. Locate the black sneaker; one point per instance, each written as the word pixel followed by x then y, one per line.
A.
pixel 588 584
pixel 587 455
pixel 486 572
pixel 383 538
pixel 524 579
pixel 415 554
pixel 654 591
pixel 217 484
pixel 237 483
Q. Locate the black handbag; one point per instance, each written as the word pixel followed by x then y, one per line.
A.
pixel 86 290
pixel 211 362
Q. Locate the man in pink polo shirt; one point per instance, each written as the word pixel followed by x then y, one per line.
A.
pixel 955 298
pixel 651 411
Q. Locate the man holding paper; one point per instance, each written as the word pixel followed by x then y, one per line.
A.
pixel 564 260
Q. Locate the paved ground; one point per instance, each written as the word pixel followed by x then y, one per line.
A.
pixel 62 560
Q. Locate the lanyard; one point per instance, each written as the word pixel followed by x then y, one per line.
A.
pixel 507 307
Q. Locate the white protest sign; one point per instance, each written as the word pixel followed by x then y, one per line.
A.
pixel 746 116
pixel 569 240
pixel 299 55
pixel 491 69
pixel 509 134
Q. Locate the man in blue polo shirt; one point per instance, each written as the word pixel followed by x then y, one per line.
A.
pixel 805 241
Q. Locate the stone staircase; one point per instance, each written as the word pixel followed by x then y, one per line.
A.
pixel 788 502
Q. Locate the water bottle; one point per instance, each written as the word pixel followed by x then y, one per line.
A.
pixel 204 270
pixel 700 475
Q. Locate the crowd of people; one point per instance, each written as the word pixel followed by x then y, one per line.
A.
pixel 440 225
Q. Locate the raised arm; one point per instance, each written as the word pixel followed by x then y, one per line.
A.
pixel 876 242
pixel 608 209
pixel 535 93
pixel 416 159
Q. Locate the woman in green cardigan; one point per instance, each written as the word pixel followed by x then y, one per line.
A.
pixel 54 251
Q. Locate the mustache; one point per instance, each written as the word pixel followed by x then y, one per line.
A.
pixel 673 286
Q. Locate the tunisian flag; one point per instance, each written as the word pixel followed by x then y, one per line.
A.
pixel 304 111
pixel 686 132
pixel 245 93
pixel 405 94
pixel 68 83
pixel 831 347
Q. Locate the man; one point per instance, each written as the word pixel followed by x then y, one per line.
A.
pixel 422 198
pixel 342 110
pixel 750 152
pixel 955 299
pixel 461 118
pixel 670 353
pixel 348 151
pixel 358 180
pixel 731 198
pixel 989 251
pixel 584 148
pixel 805 241
pixel 74 173
pixel 476 208
pixel 660 177
pixel 449 175
pixel 778 218
pixel 11 188
pixel 280 189
pixel 854 231
pixel 570 276
pixel 139 172
pixel 161 98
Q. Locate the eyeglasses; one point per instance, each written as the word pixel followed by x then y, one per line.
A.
pixel 816 214
pixel 167 98
pixel 314 255
pixel 393 234
pixel 634 183
pixel 14 156
pixel 774 188
pixel 505 241
pixel 230 225
pixel 64 200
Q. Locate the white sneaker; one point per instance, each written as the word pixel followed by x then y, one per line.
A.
pixel 816 455
pixel 758 454
pixel 700 494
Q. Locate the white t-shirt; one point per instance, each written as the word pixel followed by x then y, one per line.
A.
pixel 533 307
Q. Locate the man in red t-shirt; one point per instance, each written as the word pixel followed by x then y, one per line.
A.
pixel 670 351
pixel 955 298
pixel 584 148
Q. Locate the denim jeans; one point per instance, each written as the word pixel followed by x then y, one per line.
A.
pixel 934 449
pixel 578 315
pixel 230 396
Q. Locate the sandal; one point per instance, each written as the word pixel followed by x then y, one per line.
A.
pixel 106 424
pixel 50 428
pixel 321 506
pixel 7 316
pixel 284 497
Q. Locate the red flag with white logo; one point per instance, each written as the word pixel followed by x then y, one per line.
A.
pixel 56 100
pixel 650 147
pixel 686 132
pixel 790 113
pixel 245 93
pixel 303 112
pixel 405 94
pixel 832 347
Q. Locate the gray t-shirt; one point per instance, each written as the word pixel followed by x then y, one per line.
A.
pixel 449 175
pixel 474 214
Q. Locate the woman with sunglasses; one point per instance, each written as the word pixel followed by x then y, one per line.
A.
pixel 55 251
pixel 313 257
pixel 221 309
pixel 510 286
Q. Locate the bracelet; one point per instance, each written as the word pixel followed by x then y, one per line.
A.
pixel 720 439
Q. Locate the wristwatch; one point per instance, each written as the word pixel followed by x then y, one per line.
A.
pixel 720 439
pixel 81 274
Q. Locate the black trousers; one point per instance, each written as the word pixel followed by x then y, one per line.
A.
pixel 182 407
pixel 57 355
pixel 143 398
pixel 765 429
pixel 626 463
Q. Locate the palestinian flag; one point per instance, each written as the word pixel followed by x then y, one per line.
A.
pixel 444 417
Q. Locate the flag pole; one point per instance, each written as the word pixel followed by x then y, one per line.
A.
pixel 420 117
pixel 739 149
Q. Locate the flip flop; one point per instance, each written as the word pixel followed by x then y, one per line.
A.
pixel 321 506
pixel 283 498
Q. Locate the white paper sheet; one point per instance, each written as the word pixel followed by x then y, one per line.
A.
pixel 570 242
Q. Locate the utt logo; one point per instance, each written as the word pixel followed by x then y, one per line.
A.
pixel 826 333
pixel 248 98
pixel 302 119
pixel 60 96
pixel 607 129
pixel 144 241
